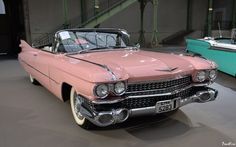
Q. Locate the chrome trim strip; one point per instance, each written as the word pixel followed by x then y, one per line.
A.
pixel 114 78
pixel 160 94
pixel 107 101
pixel 202 84
pixel 100 65
pixel 39 71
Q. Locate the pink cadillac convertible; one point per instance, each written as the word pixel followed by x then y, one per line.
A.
pixel 107 81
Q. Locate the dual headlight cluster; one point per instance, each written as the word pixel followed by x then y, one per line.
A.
pixel 206 75
pixel 103 90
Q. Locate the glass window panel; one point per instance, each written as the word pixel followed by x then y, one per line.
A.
pixel 2 7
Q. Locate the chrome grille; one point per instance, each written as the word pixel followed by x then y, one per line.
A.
pixel 142 102
pixel 158 87
pixel 151 101
pixel 144 94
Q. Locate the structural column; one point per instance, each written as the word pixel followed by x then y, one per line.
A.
pixel 96 7
pixel 234 14
pixel 189 15
pixel 27 21
pixel 65 11
pixel 155 41
pixel 83 10
pixel 96 10
pixel 209 17
pixel 141 35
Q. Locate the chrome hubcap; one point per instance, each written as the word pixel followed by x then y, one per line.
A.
pixel 77 106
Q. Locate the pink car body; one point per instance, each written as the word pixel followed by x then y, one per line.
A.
pixel 56 71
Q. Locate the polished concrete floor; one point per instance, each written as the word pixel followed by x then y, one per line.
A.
pixel 30 116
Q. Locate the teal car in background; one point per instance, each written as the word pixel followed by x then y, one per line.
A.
pixel 220 50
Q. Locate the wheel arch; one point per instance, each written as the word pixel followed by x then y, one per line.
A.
pixel 65 91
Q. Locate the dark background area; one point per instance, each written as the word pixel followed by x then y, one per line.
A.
pixel 11 27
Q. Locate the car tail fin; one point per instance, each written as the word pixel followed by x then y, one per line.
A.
pixel 24 45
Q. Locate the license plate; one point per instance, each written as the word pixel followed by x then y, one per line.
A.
pixel 166 106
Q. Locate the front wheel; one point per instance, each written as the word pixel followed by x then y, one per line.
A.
pixel 75 107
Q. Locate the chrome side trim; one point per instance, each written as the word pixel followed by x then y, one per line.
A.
pixel 100 65
pixel 111 72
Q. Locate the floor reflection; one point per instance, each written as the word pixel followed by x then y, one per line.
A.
pixel 175 129
pixel 163 128
pixel 226 80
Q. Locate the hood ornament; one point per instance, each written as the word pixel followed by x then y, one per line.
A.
pixel 169 69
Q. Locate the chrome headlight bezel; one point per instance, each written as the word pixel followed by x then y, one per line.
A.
pixel 201 76
pixel 98 89
pixel 119 88
pixel 212 74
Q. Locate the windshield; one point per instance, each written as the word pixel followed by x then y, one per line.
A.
pixel 75 41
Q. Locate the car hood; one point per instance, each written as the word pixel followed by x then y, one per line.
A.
pixel 138 65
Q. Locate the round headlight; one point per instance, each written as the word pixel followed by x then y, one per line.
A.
pixel 212 74
pixel 119 88
pixel 201 76
pixel 101 90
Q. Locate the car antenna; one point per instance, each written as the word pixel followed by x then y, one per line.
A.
pixel 219 30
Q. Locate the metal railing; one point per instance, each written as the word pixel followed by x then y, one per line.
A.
pixel 224 25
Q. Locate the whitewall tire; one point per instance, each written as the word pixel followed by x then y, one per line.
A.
pixel 79 119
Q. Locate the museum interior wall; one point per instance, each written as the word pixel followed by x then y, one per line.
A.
pixel 171 18
pixel 46 15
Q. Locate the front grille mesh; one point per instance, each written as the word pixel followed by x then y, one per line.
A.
pixel 157 87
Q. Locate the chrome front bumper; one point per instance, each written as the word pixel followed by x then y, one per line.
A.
pixel 106 118
pixel 199 97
